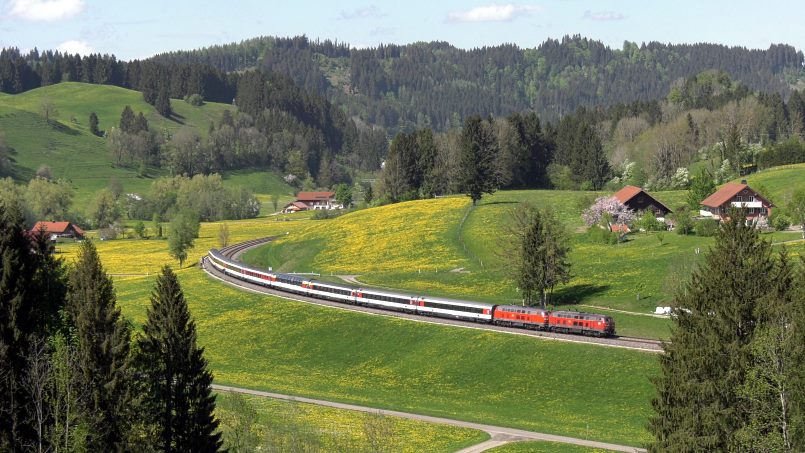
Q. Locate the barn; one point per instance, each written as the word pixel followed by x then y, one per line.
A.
pixel 638 200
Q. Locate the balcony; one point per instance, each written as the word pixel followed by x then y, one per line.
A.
pixel 747 204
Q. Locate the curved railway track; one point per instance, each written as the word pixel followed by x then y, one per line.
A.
pixel 234 251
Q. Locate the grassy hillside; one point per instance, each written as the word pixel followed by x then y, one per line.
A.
pixel 274 344
pixel 423 246
pixel 285 425
pixel 778 183
pixel 72 153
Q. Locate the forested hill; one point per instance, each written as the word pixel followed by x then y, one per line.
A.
pixel 436 84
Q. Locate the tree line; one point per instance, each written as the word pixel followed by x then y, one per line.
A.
pixel 73 375
pixel 436 85
pixel 516 152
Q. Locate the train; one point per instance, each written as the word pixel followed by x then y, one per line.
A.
pixel 570 322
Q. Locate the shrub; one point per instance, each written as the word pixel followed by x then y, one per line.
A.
pixel 649 222
pixel 602 236
pixel 780 221
pixel 194 99
pixel 683 221
pixel 706 227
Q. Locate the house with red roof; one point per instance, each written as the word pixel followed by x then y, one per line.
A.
pixel 59 230
pixel 736 195
pixel 637 199
pixel 307 201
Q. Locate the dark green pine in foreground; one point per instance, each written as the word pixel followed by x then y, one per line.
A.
pixel 732 374
pixel 103 338
pixel 179 397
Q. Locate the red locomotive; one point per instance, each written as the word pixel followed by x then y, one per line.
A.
pixel 503 315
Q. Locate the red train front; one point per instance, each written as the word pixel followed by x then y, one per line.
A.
pixel 581 323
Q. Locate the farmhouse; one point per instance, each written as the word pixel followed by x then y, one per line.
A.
pixel 59 230
pixel 306 201
pixel 639 200
pixel 736 195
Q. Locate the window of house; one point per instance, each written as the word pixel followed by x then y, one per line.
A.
pixel 739 198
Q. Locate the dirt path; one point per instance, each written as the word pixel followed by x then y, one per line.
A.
pixel 499 434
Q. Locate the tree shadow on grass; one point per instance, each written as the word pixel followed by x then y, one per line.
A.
pixel 62 128
pixel 576 294
pixel 490 203
pixel 176 118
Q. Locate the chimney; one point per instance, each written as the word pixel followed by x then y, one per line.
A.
pixel 743 181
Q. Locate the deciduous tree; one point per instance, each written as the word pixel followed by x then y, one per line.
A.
pixel 183 231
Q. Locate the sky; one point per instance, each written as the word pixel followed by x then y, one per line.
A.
pixel 142 28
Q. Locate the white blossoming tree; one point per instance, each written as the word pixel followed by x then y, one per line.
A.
pixel 608 211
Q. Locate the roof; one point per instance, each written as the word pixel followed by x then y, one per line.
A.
pixel 314 196
pixel 725 194
pixel 627 193
pixel 56 227
pixel 297 205
pixel 620 228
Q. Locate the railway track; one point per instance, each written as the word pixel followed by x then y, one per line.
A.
pixel 234 251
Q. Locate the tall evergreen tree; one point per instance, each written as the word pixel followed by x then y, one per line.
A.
pixel 701 187
pixel 93 123
pixel 127 120
pixel 163 102
pixel 179 397
pixel 479 152
pixel 705 363
pixel 17 325
pixel 103 351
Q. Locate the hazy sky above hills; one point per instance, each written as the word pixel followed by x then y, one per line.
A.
pixel 145 27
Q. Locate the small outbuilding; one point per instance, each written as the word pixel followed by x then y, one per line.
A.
pixel 637 199
pixel 58 230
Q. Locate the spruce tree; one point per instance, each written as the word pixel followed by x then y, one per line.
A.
pixel 127 120
pixel 17 324
pixel 103 351
pixel 478 161
pixel 178 395
pixel 93 124
pixel 698 405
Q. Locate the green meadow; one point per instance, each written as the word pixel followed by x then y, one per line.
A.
pixel 273 344
pixel 446 247
pixel 290 426
pixel 74 154
pixel 543 447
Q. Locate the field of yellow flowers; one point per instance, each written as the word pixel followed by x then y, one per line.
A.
pixel 279 345
pixel 292 426
pixel 405 237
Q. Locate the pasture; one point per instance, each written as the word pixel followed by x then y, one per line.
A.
pixel 291 426
pixel 543 447
pixel 73 153
pixel 278 345
pixel 273 344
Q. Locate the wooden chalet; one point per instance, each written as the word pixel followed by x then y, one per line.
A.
pixel 735 195
pixel 58 230
pixel 637 199
pixel 307 201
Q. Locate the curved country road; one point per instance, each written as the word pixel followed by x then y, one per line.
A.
pixel 500 435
